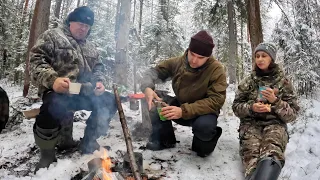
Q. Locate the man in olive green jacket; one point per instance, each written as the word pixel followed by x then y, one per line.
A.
pixel 199 83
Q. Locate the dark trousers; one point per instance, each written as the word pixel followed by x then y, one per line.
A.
pixel 57 110
pixel 203 127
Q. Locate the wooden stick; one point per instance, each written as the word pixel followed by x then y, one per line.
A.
pixel 127 136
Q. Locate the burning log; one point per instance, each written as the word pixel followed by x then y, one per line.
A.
pixel 127 137
pixel 101 174
pixel 107 168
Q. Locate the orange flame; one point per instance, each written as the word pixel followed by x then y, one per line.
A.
pixel 106 164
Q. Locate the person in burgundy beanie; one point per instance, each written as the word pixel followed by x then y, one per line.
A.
pixel 202 44
pixel 199 83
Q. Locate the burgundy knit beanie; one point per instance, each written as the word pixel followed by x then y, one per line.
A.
pixel 202 44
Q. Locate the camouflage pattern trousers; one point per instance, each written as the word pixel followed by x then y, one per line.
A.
pixel 257 142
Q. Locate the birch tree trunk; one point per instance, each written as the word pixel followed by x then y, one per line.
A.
pixel 121 66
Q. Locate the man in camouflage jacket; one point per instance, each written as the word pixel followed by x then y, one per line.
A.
pixel 60 56
pixel 263 135
pixel 199 83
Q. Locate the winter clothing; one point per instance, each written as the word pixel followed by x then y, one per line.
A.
pixel 269 48
pixel 66 141
pixel 57 111
pixel 46 139
pixel 264 134
pixel 204 127
pixel 257 142
pixel 4 109
pixel 205 148
pixel 282 111
pixel 57 54
pixel 267 169
pixel 200 91
pixel 81 14
pixel 202 44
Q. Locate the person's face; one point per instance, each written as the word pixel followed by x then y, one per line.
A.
pixel 79 30
pixel 263 60
pixel 196 60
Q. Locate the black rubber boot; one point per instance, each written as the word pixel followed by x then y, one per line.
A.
pixel 157 146
pixel 66 142
pixel 88 146
pixel 267 169
pixel 162 136
pixel 89 142
pixel 205 148
pixel 46 139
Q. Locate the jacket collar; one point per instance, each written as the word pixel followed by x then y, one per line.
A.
pixel 204 66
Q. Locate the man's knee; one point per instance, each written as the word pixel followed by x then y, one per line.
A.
pixel 204 127
pixel 53 109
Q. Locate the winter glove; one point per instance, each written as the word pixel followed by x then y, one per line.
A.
pixel 86 89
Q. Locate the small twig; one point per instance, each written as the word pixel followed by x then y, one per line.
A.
pixel 304 171
pixel 127 137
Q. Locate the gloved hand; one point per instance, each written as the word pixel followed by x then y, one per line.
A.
pixel 86 89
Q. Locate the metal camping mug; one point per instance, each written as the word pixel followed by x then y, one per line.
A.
pixel 159 106
pixel 260 96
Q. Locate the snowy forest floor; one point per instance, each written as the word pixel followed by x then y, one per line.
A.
pixel 19 154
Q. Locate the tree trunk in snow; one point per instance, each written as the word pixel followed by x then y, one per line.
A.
pixel 254 23
pixel 121 66
pixel 140 17
pixel 57 9
pixel 40 23
pixel 232 63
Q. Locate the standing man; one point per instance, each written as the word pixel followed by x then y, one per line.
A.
pixel 199 83
pixel 59 57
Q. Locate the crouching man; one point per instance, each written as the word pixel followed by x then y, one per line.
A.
pixel 199 83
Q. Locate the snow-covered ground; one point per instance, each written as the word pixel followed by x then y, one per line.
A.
pixel 18 153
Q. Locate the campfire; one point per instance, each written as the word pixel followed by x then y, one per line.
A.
pixel 131 168
pixel 106 168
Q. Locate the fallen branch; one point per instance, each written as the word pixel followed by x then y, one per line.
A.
pixel 127 137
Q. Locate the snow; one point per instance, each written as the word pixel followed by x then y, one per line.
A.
pixel 18 153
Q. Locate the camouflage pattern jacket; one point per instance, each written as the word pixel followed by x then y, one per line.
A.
pixel 283 110
pixel 57 54
pixel 199 91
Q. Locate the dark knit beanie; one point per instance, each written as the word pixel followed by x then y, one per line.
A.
pixel 269 48
pixel 82 14
pixel 202 44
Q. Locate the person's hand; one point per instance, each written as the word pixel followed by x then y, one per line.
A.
pixel 100 89
pixel 269 94
pixel 150 95
pixel 61 85
pixel 171 112
pixel 260 108
pixel 86 89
